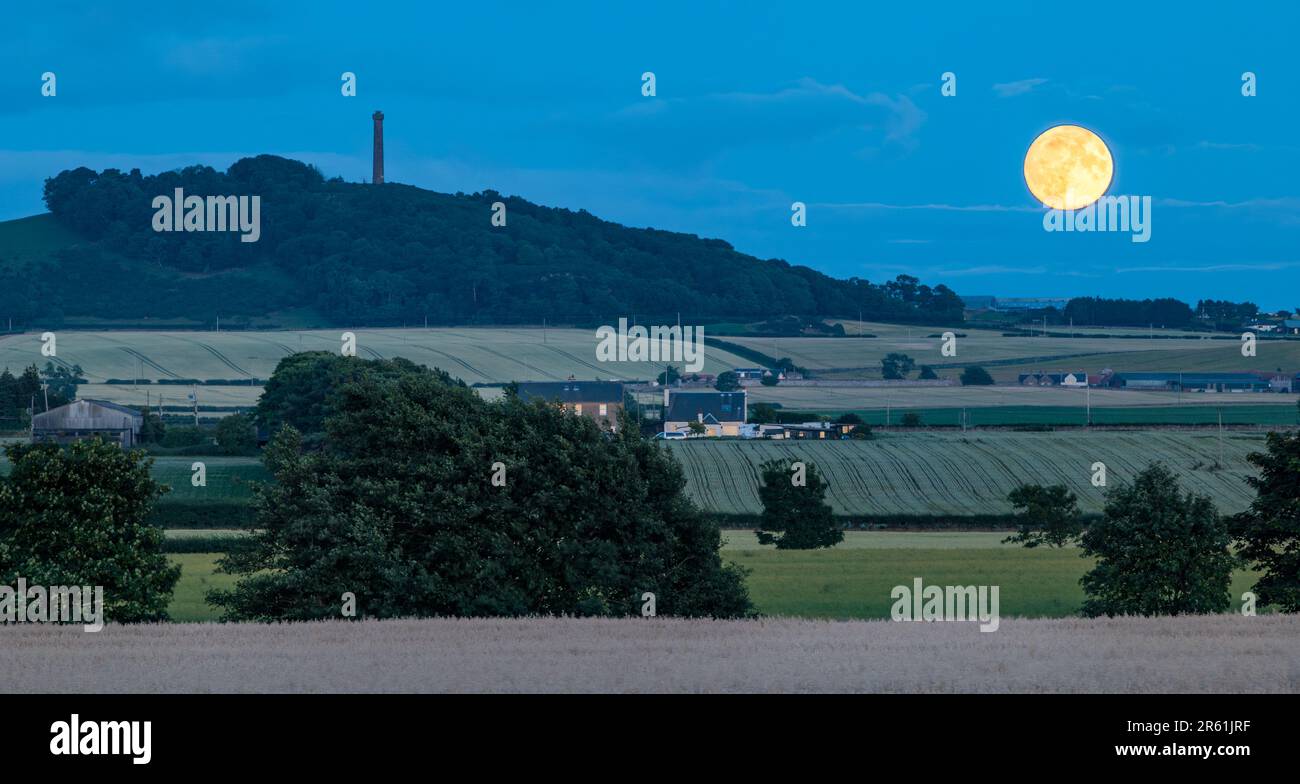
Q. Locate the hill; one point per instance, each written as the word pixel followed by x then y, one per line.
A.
pixel 354 254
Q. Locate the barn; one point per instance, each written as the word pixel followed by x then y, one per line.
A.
pixel 88 419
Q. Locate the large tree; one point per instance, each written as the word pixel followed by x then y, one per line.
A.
pixel 1159 551
pixel 77 516
pixel 1268 533
pixel 422 499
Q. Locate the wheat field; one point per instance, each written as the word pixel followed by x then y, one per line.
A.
pixel 1227 653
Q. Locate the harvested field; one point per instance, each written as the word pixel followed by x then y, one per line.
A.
pixel 1227 653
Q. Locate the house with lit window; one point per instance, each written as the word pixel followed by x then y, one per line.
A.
pixel 598 400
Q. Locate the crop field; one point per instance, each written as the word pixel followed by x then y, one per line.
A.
pixel 946 473
pixel 1184 654
pixel 857 398
pixel 487 355
pixel 1006 357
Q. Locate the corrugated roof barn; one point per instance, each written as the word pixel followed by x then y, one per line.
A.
pixel 87 419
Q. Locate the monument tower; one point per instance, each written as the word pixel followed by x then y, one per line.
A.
pixel 378 176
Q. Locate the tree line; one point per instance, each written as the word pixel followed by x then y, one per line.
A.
pixel 396 254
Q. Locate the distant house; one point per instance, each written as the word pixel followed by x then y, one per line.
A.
pixel 82 419
pixel 721 413
pixel 755 374
pixel 598 400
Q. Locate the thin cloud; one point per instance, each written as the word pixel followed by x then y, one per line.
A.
pixel 1009 89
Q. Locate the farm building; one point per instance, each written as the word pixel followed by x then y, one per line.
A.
pixel 721 413
pixel 1291 326
pixel 750 373
pixel 817 430
pixel 1193 382
pixel 88 419
pixel 1077 379
pixel 599 400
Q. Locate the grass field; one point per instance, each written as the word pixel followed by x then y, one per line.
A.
pixel 853 580
pixel 849 581
pixel 954 473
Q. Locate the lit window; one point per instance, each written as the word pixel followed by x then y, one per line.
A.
pixel 577 409
pixel 604 410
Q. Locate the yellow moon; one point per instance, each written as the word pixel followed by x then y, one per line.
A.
pixel 1068 167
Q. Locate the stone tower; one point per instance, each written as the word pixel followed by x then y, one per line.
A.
pixel 378 176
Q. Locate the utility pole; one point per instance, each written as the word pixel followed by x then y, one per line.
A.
pixel 1087 394
pixel 194 395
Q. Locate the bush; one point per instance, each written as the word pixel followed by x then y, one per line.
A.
pixel 911 419
pixel 183 435
pixel 974 376
pixel 236 435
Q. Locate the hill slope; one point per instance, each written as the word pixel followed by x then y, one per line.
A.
pixel 390 254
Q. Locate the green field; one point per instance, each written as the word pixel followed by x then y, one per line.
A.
pixel 852 580
pixel 198 576
pixel 954 473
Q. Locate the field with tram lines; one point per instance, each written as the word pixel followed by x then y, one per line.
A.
pixel 946 473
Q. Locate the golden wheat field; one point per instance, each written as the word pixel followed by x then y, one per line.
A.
pixel 1225 653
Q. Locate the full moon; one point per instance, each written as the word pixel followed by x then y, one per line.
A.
pixel 1068 167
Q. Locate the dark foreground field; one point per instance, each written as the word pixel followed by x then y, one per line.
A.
pixel 1190 654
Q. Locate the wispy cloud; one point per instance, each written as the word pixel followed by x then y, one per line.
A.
pixel 1232 267
pixel 875 205
pixel 1009 89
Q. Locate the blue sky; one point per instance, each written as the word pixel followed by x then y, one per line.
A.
pixel 758 105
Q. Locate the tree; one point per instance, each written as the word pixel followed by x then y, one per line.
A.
pixel 795 516
pixel 911 419
pixel 727 381
pixel 1045 515
pixel 152 430
pixel 1268 533
pixel 762 413
pixel 896 366
pixel 975 375
pixel 397 505
pixel 78 516
pixel 669 376
pixel 769 379
pixel 849 418
pixel 1158 551
pixel 236 435
pixel 927 373
pixel 862 432
pixel 299 391
pixel 62 382
pixel 697 428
